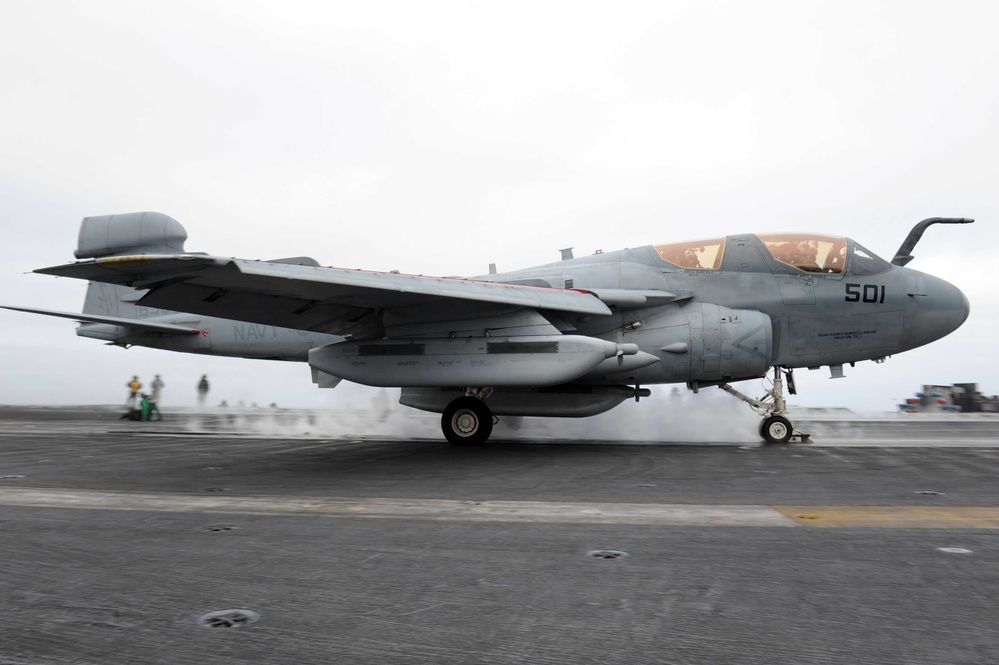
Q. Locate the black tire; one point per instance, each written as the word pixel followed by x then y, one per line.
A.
pixel 467 421
pixel 776 429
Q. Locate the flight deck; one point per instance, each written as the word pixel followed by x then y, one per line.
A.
pixel 204 538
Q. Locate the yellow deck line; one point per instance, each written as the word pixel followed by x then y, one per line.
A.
pixel 894 517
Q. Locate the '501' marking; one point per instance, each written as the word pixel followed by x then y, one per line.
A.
pixel 865 293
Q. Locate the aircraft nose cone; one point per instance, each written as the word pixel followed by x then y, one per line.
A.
pixel 965 308
pixel 938 313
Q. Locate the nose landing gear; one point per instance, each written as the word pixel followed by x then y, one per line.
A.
pixel 775 428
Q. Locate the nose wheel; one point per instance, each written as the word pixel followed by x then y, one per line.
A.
pixel 776 429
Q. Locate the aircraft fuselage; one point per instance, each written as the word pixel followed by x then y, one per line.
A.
pixel 793 318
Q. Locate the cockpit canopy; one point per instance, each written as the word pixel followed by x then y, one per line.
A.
pixel 810 252
pixel 694 255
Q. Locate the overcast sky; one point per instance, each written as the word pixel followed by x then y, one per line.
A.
pixel 436 138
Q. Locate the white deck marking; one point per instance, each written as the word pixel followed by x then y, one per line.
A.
pixel 425 509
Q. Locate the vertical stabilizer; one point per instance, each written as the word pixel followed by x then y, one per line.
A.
pixel 112 300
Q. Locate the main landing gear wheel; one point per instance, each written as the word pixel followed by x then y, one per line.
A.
pixel 467 421
pixel 776 429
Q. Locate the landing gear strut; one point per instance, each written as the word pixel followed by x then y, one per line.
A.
pixel 467 421
pixel 775 428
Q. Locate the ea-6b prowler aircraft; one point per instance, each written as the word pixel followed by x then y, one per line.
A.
pixel 568 339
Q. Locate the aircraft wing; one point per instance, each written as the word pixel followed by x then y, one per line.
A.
pixel 329 300
pixel 112 320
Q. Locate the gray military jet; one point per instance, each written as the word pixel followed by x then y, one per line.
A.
pixel 569 339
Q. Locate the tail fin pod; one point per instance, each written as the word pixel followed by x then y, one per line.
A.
pixel 130 233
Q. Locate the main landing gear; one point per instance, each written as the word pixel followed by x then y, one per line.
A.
pixel 467 421
pixel 775 428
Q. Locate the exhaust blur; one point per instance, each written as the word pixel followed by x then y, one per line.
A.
pixel 669 415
